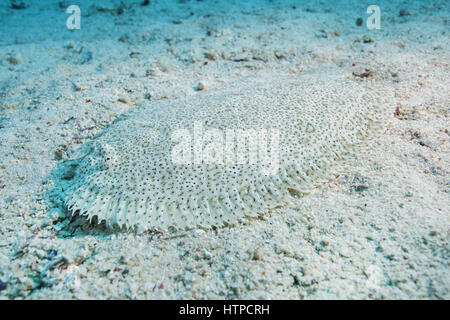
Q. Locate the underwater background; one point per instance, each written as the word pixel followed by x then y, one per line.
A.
pixel 70 68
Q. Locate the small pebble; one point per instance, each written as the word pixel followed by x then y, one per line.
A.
pixel 210 56
pixel 52 253
pixel 201 86
pixel 257 255
pixel 363 73
pixel 367 39
pixel 279 55
pixel 13 60
pixel 76 87
pixel 207 255
pixel 16 5
pixel 3 285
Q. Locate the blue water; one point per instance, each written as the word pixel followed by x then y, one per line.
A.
pixel 45 20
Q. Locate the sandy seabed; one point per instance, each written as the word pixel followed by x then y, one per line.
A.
pixel 378 231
